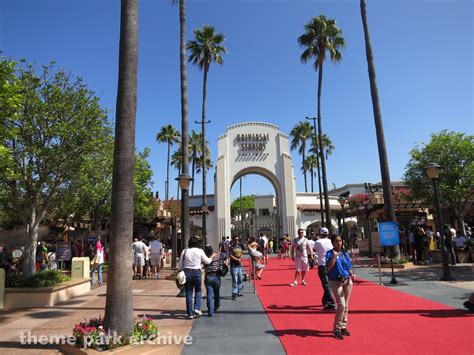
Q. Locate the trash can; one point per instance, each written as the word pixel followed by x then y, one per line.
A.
pixel 80 268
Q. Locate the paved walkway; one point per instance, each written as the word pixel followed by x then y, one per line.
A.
pixel 240 326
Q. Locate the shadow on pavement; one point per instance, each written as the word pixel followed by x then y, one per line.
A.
pixel 301 333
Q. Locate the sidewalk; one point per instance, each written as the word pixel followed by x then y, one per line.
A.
pixel 154 298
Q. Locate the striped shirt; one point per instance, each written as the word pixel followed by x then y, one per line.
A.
pixel 214 265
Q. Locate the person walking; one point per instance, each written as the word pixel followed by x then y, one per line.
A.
pixel 322 246
pixel 212 280
pixel 341 276
pixel 301 248
pixel 138 248
pixel 190 261
pixel 311 243
pixel 235 254
pixel 98 263
pixel 156 253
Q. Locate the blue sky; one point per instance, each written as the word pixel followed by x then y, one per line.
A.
pixel 423 54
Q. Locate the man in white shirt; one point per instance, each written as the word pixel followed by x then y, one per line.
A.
pixel 156 253
pixel 311 243
pixel 265 248
pixel 138 248
pixel 301 248
pixel 322 246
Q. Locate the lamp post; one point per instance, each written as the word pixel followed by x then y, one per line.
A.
pixel 205 209
pixel 433 170
pixel 183 181
pixel 342 202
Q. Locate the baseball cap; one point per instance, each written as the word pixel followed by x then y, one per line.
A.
pixel 323 230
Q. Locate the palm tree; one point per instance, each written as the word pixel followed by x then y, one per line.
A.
pixel 194 149
pixel 328 145
pixel 310 163
pixel 205 49
pixel 119 300
pixel 321 35
pixel 168 134
pixel 300 133
pixel 389 209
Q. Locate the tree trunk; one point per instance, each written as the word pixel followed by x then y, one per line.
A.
pixel 203 147
pixel 184 122
pixel 119 299
pixel 168 172
pixel 327 207
pixel 193 168
pixel 29 263
pixel 304 169
pixel 389 210
pixel 312 179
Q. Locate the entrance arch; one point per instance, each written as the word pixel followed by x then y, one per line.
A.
pixel 254 148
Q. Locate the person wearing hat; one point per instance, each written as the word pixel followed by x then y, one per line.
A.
pixel 322 246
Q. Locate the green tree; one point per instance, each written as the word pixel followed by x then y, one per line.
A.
pixel 119 299
pixel 205 49
pixel 300 134
pixel 247 204
pixel 176 162
pixel 321 35
pixel 194 148
pixel 454 151
pixel 309 164
pixel 389 208
pixel 50 134
pixel 168 134
pixel 144 205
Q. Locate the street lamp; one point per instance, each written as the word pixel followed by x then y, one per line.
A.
pixel 184 180
pixel 205 209
pixel 433 170
pixel 342 202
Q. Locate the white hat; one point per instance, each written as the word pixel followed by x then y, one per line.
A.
pixel 323 230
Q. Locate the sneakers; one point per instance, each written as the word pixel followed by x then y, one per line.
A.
pixel 346 332
pixel 197 312
pixel 304 283
pixel 190 317
pixel 294 283
pixel 338 334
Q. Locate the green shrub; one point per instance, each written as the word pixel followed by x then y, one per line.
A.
pixel 45 278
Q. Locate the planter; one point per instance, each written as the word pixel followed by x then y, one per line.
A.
pixel 30 297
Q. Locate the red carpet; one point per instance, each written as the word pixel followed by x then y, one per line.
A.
pixel 382 320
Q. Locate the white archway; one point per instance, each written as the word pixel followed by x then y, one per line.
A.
pixel 254 148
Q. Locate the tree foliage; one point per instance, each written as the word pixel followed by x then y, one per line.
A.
pixel 454 151
pixel 247 204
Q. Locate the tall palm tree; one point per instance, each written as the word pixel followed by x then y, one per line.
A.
pixel 321 35
pixel 205 49
pixel 328 146
pixel 389 209
pixel 194 149
pixel 168 134
pixel 310 163
pixel 185 230
pixel 300 133
pixel 119 300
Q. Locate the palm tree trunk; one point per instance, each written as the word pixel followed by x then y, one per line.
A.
pixel 327 207
pixel 184 123
pixel 119 301
pixel 312 179
pixel 168 172
pixel 193 168
pixel 203 123
pixel 389 210
pixel 304 169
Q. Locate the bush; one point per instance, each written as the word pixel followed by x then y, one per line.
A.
pixel 45 278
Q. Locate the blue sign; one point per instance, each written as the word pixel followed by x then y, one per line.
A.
pixel 388 234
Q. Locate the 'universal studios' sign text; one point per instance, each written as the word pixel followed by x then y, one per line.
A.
pixel 252 141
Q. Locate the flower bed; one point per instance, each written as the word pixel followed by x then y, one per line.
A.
pixel 92 335
pixel 45 278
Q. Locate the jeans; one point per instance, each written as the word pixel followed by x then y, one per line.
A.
pixel 99 271
pixel 342 292
pixel 327 299
pixel 236 272
pixel 213 288
pixel 193 282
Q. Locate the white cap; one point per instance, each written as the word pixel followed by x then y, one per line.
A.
pixel 323 230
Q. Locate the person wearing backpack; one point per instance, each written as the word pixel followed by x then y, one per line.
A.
pixel 224 249
pixel 212 280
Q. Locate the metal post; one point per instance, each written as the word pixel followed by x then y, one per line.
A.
pixel 444 255
pixel 241 212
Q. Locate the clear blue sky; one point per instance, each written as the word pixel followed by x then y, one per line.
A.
pixel 423 54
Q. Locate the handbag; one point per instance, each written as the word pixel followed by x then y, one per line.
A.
pixel 181 276
pixel 223 270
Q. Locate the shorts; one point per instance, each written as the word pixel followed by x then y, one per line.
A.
pixel 139 260
pixel 155 259
pixel 301 264
pixel 259 266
